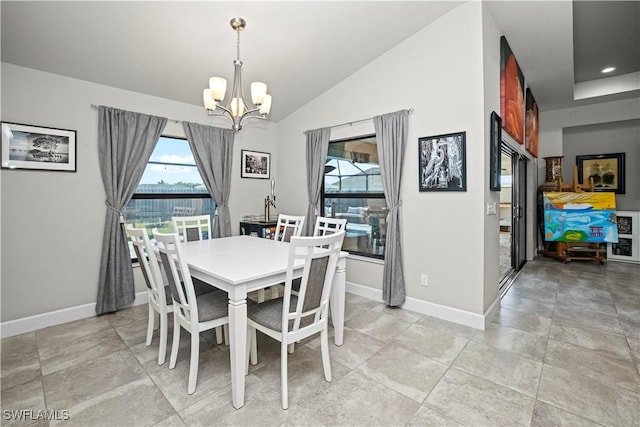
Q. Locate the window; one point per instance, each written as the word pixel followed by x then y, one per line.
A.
pixel 170 186
pixel 352 189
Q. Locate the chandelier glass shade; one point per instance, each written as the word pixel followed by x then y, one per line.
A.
pixel 236 108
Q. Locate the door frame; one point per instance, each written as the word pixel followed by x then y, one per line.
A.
pixel 529 249
pixel 519 212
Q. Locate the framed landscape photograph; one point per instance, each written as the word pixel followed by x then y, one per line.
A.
pixel 442 163
pixel 38 147
pixel 495 156
pixel 607 171
pixel 255 164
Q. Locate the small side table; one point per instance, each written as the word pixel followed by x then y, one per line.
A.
pixel 264 229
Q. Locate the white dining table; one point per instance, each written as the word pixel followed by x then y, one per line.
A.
pixel 242 264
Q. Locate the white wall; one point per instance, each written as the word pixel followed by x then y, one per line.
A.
pixel 437 72
pixel 52 222
pixel 491 73
pixel 602 138
pixel 552 123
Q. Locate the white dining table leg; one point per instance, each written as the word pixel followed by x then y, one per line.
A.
pixel 238 349
pixel 338 300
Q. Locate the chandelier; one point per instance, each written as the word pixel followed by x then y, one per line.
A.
pixel 236 107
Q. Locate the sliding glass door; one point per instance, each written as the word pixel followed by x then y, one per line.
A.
pixel 506 213
pixel 519 227
pixel 512 214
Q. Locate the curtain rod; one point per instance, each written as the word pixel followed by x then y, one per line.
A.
pixel 95 107
pixel 358 121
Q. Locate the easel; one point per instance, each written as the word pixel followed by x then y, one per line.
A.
pixel 569 251
pixel 576 187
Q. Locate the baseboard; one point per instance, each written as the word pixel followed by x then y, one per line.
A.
pixel 491 312
pixel 462 317
pixel 451 314
pixel 364 291
pixel 44 320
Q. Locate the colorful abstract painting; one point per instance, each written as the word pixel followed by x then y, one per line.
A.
pixel 511 93
pixel 531 124
pixel 580 217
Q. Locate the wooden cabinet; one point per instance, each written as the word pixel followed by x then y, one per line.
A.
pixel 264 229
pixel 628 247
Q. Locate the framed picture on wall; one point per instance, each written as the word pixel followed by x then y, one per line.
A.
pixel 495 154
pixel 531 124
pixel 607 171
pixel 38 148
pixel 442 163
pixel 511 93
pixel 255 164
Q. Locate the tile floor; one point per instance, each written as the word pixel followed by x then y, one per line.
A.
pixel 564 350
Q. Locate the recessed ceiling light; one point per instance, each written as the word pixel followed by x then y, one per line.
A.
pixel 608 70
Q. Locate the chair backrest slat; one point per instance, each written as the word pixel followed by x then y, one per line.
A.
pixel 288 226
pixel 191 228
pixel 326 225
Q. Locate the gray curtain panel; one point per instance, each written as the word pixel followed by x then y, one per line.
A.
pixel 212 149
pixel 391 136
pixel 317 148
pixel 125 143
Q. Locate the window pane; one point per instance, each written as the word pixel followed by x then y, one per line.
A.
pixel 352 167
pixel 353 191
pixel 171 163
pixel 366 223
pixel 173 180
pixel 157 213
pixel 150 213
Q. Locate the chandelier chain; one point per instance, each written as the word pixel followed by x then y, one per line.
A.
pixel 238 46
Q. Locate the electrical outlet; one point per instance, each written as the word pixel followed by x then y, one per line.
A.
pixel 424 280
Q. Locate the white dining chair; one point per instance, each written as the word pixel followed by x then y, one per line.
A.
pixel 191 228
pixel 286 227
pixel 291 318
pixel 326 225
pixel 160 301
pixel 193 313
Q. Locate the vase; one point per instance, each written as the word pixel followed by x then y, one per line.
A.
pixel 553 167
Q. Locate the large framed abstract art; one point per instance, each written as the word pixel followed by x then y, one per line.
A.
pixel 511 93
pixel 531 125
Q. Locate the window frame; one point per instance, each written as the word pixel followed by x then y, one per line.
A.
pixel 148 196
pixel 353 195
pixel 169 196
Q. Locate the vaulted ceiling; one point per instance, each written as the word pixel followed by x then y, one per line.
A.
pixel 302 48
